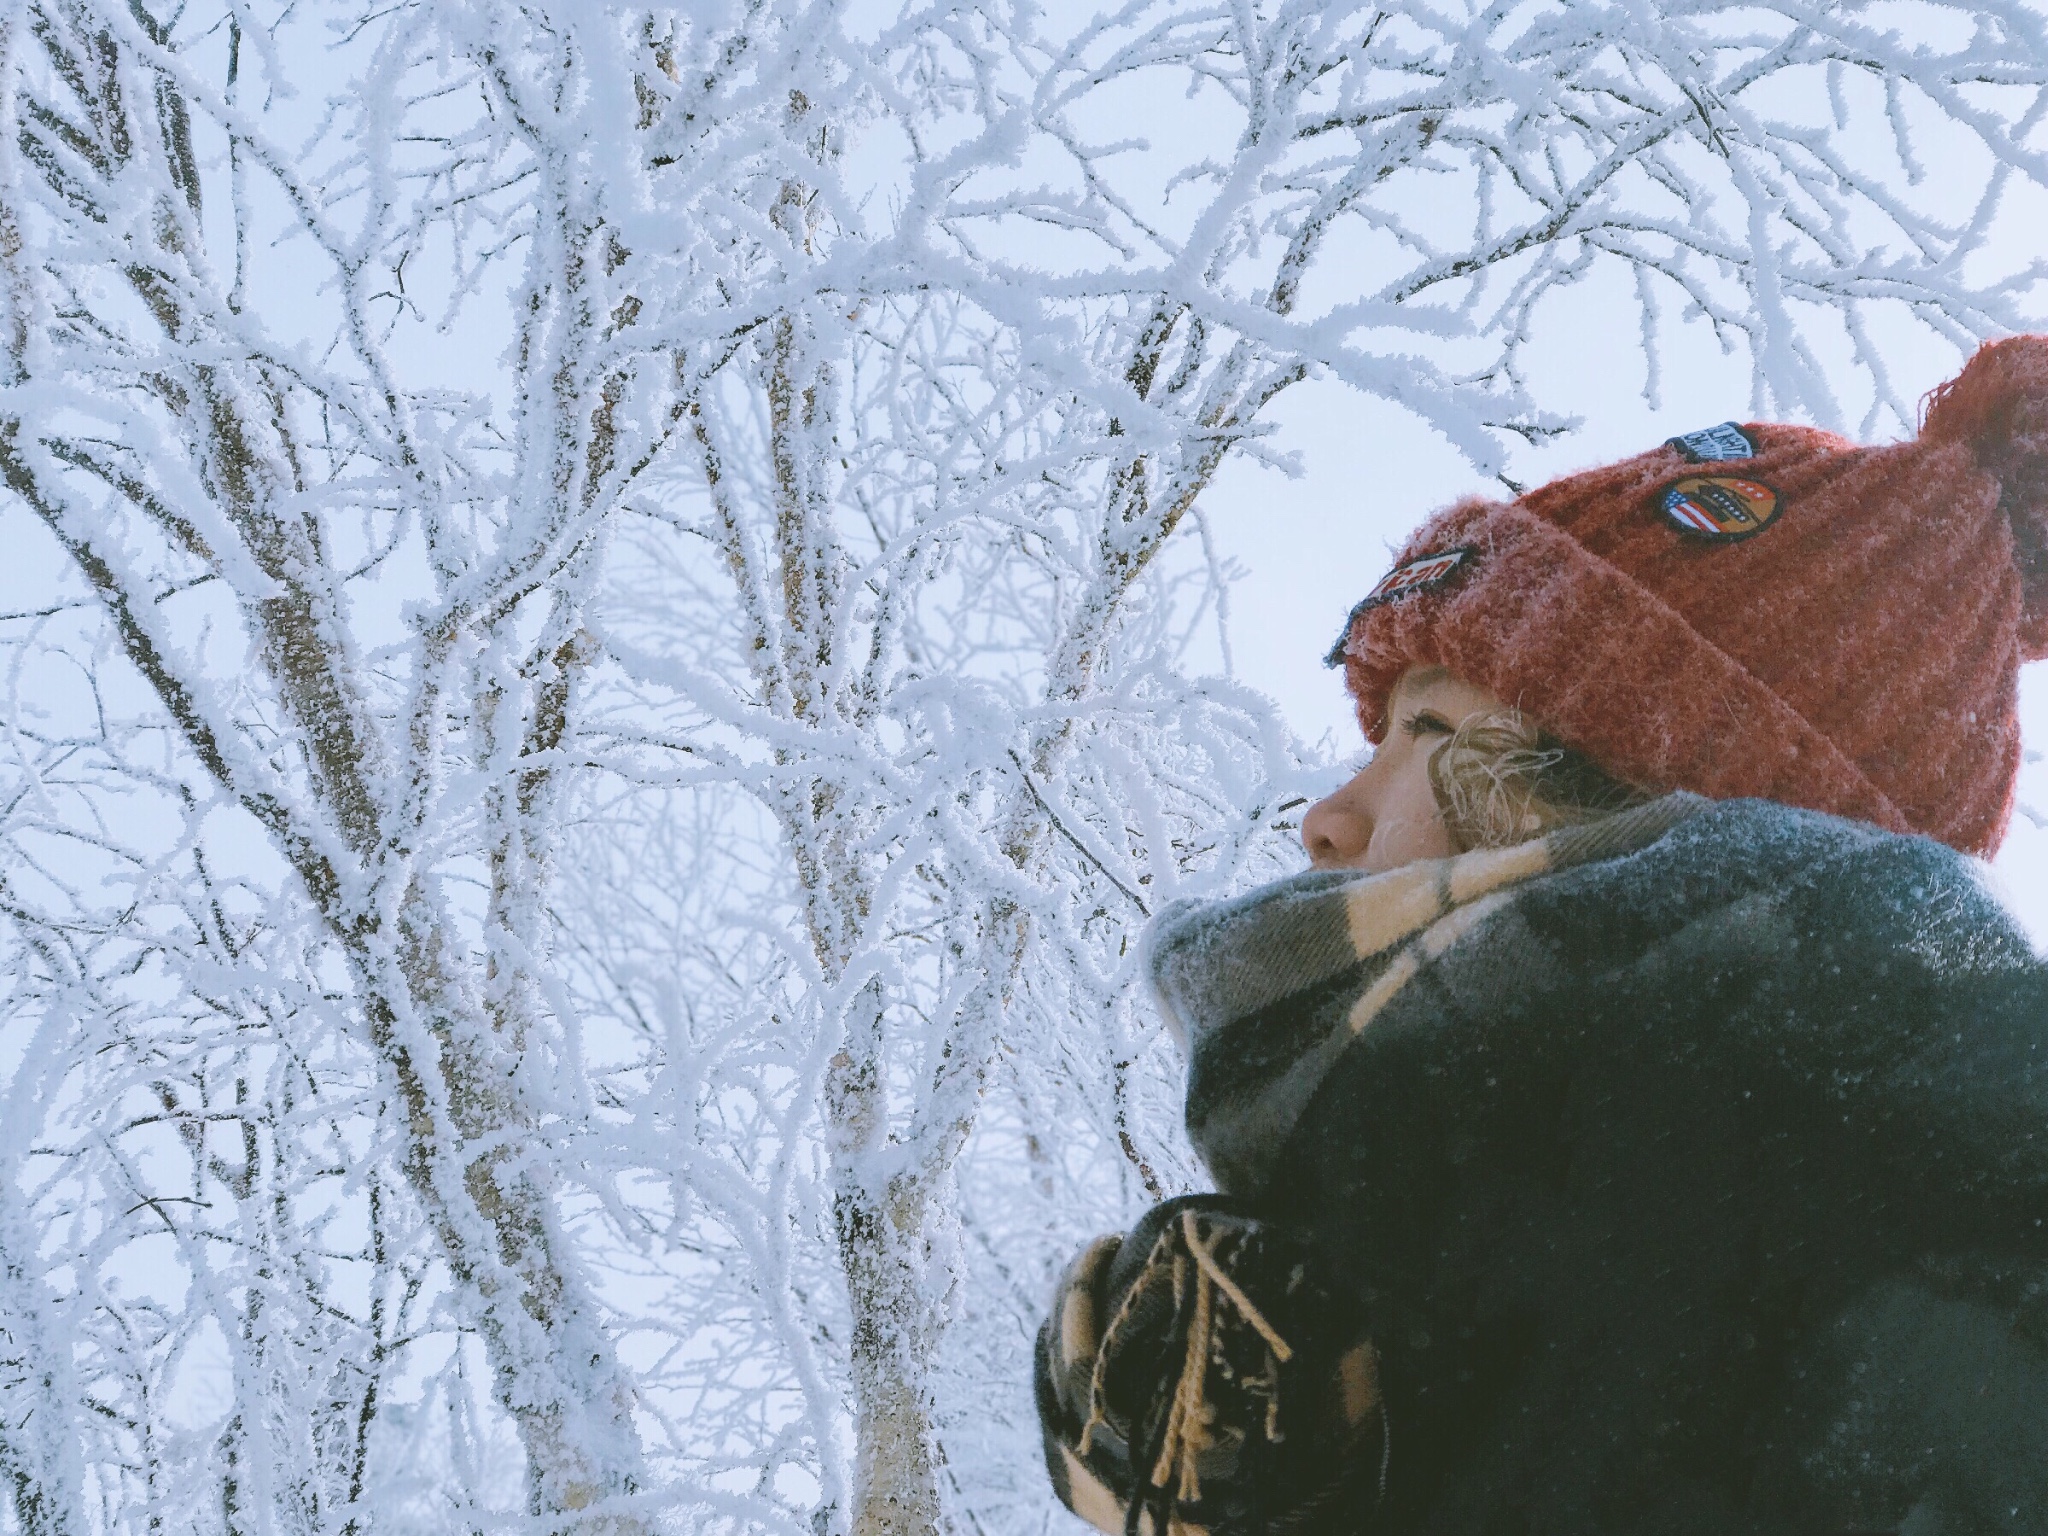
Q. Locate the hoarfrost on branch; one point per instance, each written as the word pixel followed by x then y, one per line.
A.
pixel 594 665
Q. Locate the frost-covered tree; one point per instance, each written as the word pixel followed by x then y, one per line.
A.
pixel 593 684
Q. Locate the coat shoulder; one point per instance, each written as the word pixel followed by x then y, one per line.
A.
pixel 1839 887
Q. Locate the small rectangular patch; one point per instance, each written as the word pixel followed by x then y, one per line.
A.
pixel 1715 445
pixel 1416 576
pixel 1402 581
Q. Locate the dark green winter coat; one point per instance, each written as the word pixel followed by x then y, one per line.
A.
pixel 1698 1189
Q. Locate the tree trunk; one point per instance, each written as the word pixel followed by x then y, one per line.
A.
pixel 896 1451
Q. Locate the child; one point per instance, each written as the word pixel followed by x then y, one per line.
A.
pixel 1637 1120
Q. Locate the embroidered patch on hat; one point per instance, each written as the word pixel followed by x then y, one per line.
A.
pixel 1714 445
pixel 1403 581
pixel 1720 507
pixel 1416 576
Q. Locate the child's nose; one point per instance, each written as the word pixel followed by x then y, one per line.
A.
pixel 1337 829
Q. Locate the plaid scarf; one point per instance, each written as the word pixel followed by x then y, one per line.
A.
pixel 1265 992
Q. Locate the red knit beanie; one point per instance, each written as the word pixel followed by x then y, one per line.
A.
pixel 1761 610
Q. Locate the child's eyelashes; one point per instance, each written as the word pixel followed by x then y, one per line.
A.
pixel 1426 722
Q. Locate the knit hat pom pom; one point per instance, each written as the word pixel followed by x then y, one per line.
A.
pixel 1998 407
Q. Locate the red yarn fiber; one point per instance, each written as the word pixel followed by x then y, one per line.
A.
pixel 1858 654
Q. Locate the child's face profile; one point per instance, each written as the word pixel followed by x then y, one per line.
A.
pixel 1386 815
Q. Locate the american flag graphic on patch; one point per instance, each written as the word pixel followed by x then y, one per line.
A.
pixel 1692 514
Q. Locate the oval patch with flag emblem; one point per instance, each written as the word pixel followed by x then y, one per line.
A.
pixel 1720 507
